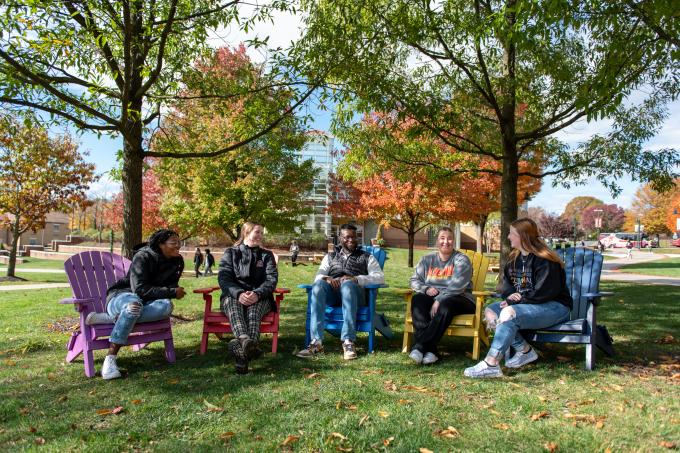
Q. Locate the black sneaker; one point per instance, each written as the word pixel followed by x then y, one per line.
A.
pixel 240 362
pixel 249 348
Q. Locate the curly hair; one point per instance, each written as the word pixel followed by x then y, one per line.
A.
pixel 159 237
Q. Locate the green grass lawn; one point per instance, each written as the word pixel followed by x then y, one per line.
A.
pixel 665 268
pixel 379 402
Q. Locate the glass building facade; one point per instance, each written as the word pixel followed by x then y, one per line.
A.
pixel 319 149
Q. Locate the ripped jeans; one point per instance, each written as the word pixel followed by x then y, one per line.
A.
pixel 129 309
pixel 511 319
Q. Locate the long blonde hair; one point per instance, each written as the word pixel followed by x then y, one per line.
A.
pixel 531 242
pixel 245 231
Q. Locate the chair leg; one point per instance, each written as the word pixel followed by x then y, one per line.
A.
pixel 170 350
pixel 371 339
pixel 88 357
pixel 75 346
pixel 590 356
pixel 475 347
pixel 204 343
pixel 408 339
pixel 275 342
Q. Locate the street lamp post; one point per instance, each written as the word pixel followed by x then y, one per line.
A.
pixel 598 222
pixel 639 233
pixel 574 231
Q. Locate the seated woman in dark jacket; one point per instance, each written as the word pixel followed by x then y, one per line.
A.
pixel 248 278
pixel 144 294
pixel 536 296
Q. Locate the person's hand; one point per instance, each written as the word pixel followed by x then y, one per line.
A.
pixel 345 278
pixel 179 292
pixel 248 298
pixel 334 282
pixel 435 307
pixel 504 304
pixel 514 297
pixel 431 291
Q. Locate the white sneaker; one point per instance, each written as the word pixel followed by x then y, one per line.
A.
pixel 521 358
pixel 110 369
pixel 429 358
pixel 416 356
pixel 483 370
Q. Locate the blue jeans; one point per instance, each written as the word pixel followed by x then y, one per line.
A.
pixel 129 310
pixel 527 316
pixel 350 295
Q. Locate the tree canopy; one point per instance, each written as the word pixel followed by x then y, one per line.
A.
pixel 38 174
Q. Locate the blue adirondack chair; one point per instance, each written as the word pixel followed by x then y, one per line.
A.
pixel 366 315
pixel 583 268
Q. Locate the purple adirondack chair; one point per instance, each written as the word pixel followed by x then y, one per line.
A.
pixel 90 274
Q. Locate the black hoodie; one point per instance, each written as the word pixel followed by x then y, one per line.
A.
pixel 537 279
pixel 152 276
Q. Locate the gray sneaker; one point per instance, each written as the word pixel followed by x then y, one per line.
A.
pixel 429 358
pixel 522 358
pixel 416 356
pixel 348 352
pixel 315 348
pixel 483 370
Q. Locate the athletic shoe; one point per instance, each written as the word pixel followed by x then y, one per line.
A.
pixel 348 352
pixel 429 358
pixel 522 358
pixel 98 318
pixel 110 368
pixel 249 347
pixel 315 348
pixel 416 356
pixel 483 370
pixel 240 362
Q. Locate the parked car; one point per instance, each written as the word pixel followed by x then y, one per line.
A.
pixel 676 242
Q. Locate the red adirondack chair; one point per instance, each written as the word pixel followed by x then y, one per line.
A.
pixel 218 323
pixel 90 274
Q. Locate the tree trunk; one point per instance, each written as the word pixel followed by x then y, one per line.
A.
pixel 508 200
pixel 411 240
pixel 481 226
pixel 16 234
pixel 133 162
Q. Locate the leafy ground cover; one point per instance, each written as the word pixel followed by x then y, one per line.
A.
pixel 665 268
pixel 379 402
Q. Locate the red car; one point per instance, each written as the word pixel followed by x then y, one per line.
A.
pixel 676 242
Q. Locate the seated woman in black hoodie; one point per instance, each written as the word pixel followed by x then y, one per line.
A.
pixel 536 296
pixel 248 278
pixel 144 294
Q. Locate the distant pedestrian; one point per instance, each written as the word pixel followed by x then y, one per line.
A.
pixel 209 262
pixel 294 251
pixel 198 260
pixel 649 246
pixel 600 246
pixel 629 246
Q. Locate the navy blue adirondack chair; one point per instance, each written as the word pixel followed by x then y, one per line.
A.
pixel 366 315
pixel 583 268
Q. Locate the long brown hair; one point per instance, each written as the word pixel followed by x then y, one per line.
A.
pixel 531 242
pixel 245 231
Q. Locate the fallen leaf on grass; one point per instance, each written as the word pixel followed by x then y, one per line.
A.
pixel 562 358
pixel 227 436
pixel 449 433
pixel 211 407
pixel 542 399
pixel 402 401
pixel 290 439
pixel 390 386
pixel 424 450
pixel 387 441
pixel 384 414
pixel 599 424
pixel 9 362
pixel 63 398
pixel 503 426
pixel 338 436
pixel 39 441
pixel 173 381
pixel 367 372
pixel 617 387
pixel 115 410
pixel 339 448
pixel 550 446
pixel 358 381
pixel 312 375
pixel 136 401
pixel 32 429
pixel 540 415
pixel 666 339
pixel 667 444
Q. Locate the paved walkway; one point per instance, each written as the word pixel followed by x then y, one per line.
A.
pixel 610 269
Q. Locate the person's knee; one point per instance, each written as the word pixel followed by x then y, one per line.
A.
pixel 134 309
pixel 507 314
pixel 348 288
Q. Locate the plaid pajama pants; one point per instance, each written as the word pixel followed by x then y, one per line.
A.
pixel 245 320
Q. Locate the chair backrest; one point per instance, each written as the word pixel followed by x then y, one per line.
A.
pixel 480 266
pixel 378 253
pixel 91 273
pixel 583 268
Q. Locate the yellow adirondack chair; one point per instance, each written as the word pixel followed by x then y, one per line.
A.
pixel 462 325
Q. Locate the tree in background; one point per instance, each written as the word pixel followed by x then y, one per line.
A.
pixel 673 214
pixel 38 174
pixel 495 79
pixel 651 208
pixel 554 226
pixel 612 218
pixel 113 68
pixel 574 209
pixel 262 181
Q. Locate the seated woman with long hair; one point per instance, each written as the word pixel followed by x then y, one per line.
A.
pixel 536 296
pixel 248 278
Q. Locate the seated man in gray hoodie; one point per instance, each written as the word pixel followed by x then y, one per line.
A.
pixel 443 289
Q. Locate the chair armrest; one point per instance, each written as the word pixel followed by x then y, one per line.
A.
pixel 600 294
pixel 483 293
pixel 73 300
pixel 206 290
pixel 282 290
pixel 374 286
pixel 305 286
